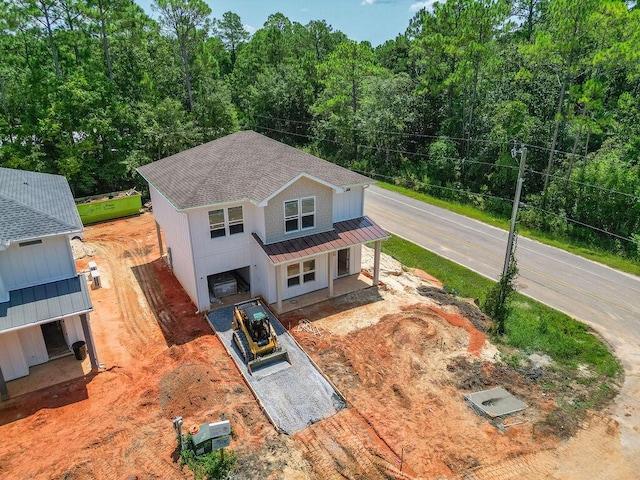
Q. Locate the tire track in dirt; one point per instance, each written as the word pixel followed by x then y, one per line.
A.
pixel 344 446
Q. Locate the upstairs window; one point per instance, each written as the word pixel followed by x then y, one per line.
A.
pixel 223 223
pixel 236 222
pixel 216 223
pixel 299 214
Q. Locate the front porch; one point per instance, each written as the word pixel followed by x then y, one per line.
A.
pixel 48 374
pixel 341 286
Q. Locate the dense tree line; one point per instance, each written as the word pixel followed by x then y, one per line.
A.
pixel 91 89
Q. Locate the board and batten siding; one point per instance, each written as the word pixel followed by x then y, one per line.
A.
pixel 348 205
pixel 33 346
pixel 303 187
pixel 175 225
pixel 220 254
pixel 12 359
pixel 37 264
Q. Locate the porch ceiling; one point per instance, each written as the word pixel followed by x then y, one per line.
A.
pixel 42 303
pixel 344 234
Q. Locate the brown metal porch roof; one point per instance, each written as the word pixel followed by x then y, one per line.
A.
pixel 344 234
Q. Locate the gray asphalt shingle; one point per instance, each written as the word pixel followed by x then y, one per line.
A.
pixel 241 166
pixel 35 205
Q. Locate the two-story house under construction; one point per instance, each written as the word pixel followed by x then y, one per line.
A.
pixel 44 303
pixel 283 221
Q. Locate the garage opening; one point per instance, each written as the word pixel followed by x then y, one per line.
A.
pixel 54 339
pixel 228 283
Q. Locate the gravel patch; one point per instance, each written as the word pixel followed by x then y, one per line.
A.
pixel 295 395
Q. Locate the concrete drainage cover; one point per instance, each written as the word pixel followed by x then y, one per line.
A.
pixel 294 396
pixel 495 402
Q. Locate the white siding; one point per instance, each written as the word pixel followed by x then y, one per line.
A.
pixel 33 346
pixel 177 238
pixel 73 329
pixel 304 187
pixel 12 359
pixel 221 254
pixel 348 205
pixel 36 264
pixel 321 279
pixel 262 275
pixel 4 293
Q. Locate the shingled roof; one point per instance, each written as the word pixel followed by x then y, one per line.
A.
pixel 35 205
pixel 241 166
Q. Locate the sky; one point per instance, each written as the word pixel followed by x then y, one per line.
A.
pixel 374 20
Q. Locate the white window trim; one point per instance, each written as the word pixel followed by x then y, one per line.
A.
pixel 301 273
pixel 299 215
pixel 227 223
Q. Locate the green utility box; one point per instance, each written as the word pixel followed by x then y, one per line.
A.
pixel 107 207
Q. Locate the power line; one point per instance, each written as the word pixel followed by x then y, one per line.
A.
pixel 467 192
pixel 382 149
pixel 577 222
pixel 463 160
pixel 591 185
pixel 435 137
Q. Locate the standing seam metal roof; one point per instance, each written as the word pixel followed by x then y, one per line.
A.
pixel 344 234
pixel 40 303
pixel 35 205
pixel 243 165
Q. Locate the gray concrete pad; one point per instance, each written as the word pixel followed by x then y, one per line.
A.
pixel 294 395
pixel 495 402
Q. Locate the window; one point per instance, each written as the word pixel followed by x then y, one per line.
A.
pixel 294 272
pixel 299 214
pixel 31 242
pixel 291 216
pixel 234 222
pixel 216 223
pixel 309 271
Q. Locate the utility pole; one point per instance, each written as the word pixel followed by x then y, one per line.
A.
pixel 516 202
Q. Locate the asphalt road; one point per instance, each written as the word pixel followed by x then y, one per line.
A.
pixel 604 298
pixel 600 296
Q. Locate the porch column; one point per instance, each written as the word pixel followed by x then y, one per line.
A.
pixel 159 233
pixel 4 393
pixel 376 263
pixel 330 257
pixel 278 288
pixel 88 338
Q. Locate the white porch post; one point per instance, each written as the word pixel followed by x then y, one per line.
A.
pixel 159 233
pixel 4 392
pixel 88 338
pixel 279 287
pixel 330 257
pixel 376 263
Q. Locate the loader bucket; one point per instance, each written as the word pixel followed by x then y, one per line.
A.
pixel 270 359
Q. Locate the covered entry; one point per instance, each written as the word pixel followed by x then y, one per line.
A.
pixel 321 249
pixel 40 323
pixel 55 339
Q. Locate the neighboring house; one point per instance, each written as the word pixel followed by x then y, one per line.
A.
pixel 44 303
pixel 285 222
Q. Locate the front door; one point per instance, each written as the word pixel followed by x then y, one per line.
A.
pixel 343 262
pixel 54 338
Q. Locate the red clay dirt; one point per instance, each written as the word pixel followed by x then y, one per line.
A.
pixel 402 362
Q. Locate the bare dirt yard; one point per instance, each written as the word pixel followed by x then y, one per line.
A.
pixel 403 360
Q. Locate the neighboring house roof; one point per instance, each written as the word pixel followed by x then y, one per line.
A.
pixel 241 166
pixel 35 205
pixel 43 303
pixel 347 233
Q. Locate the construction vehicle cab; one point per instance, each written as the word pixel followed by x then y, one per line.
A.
pixel 255 336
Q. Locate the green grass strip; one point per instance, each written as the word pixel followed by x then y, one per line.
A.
pixel 590 253
pixel 531 326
